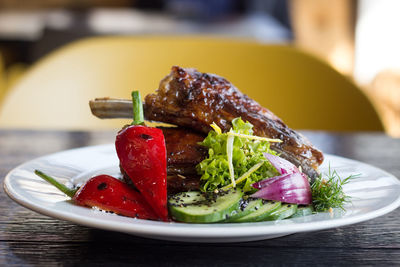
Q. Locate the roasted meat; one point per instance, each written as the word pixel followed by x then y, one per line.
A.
pixel 195 100
pixel 183 150
pixel 183 154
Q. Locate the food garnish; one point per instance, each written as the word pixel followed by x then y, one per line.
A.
pixel 108 194
pixel 234 158
pixel 197 207
pixel 327 191
pixel 142 155
pixel 291 186
pixel 281 165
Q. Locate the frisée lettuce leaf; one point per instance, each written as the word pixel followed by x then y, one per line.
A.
pixel 235 158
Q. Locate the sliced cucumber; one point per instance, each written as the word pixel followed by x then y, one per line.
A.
pixel 247 206
pixel 186 198
pixel 194 207
pixel 303 211
pixel 285 211
pixel 258 215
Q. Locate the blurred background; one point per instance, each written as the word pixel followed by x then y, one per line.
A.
pixel 358 38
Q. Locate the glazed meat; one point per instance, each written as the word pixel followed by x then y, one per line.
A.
pixel 183 151
pixel 183 154
pixel 195 100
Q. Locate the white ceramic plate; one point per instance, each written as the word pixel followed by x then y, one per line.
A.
pixel 374 193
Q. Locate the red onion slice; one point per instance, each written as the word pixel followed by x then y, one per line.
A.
pixel 289 188
pixel 282 165
pixel 266 182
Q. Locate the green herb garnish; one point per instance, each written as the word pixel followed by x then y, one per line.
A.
pixel 235 158
pixel 327 192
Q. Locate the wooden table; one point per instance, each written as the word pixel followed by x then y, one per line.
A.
pixel 29 239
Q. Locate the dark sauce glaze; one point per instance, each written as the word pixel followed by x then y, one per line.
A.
pixel 183 150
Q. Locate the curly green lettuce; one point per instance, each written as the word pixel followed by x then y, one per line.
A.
pixel 244 155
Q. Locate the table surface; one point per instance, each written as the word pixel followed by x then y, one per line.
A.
pixel 30 239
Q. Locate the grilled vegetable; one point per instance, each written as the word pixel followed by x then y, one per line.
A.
pixel 107 193
pixel 142 155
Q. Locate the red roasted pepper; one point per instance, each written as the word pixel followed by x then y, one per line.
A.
pixel 142 154
pixel 109 194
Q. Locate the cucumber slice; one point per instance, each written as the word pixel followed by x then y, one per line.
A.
pixel 187 198
pixel 246 207
pixel 303 211
pixel 194 207
pixel 259 215
pixel 285 211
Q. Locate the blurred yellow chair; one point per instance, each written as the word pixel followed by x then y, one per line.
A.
pixel 305 92
pixel 9 76
pixel 2 79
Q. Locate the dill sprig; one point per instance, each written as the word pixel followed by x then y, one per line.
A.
pixel 327 192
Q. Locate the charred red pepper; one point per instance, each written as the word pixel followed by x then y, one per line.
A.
pixel 142 154
pixel 107 193
pixel 110 194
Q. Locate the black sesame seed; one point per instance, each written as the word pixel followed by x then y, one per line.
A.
pixel 146 136
pixel 102 186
